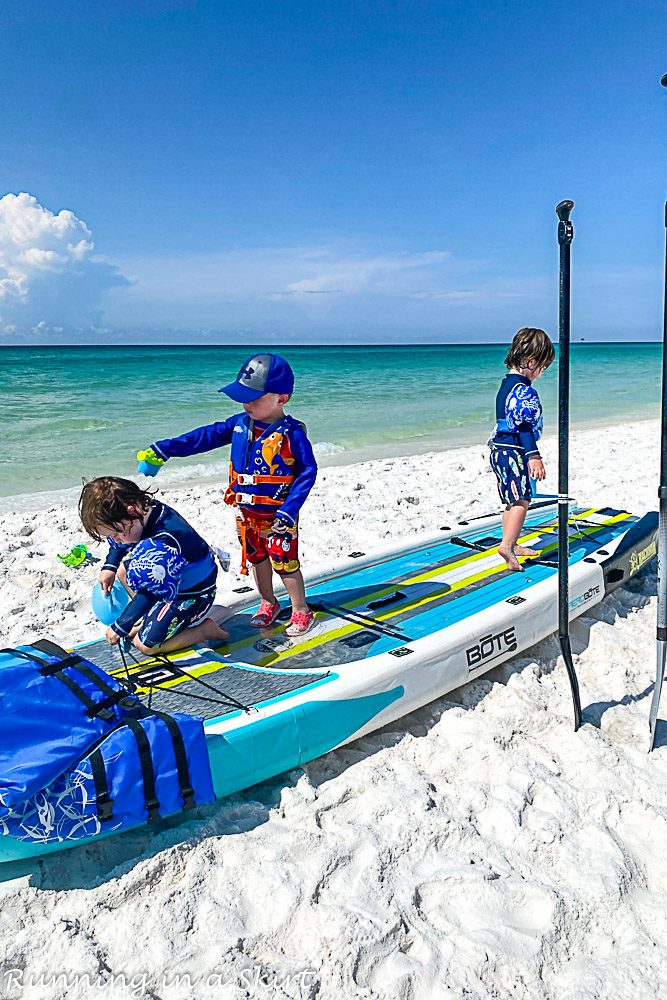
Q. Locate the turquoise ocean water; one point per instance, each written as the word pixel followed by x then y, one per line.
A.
pixel 73 412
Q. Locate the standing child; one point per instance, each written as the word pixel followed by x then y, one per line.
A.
pixel 515 457
pixel 166 567
pixel 272 470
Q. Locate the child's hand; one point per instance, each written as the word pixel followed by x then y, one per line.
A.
pixel 112 637
pixel 106 581
pixel 536 468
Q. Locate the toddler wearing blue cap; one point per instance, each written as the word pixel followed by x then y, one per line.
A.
pixel 272 471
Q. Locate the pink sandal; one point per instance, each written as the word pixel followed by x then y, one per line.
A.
pixel 300 623
pixel 265 615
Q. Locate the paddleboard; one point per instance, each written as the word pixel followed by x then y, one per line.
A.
pixel 395 628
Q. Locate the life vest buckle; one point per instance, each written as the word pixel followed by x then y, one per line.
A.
pixel 188 796
pixel 245 479
pixel 248 498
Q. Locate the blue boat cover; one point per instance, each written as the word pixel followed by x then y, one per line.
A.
pixel 85 801
pixel 52 709
pixel 81 755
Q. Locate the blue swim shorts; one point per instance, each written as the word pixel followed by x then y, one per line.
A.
pixel 511 469
pixel 170 617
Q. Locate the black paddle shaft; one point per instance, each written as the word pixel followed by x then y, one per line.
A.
pixel 661 630
pixel 565 237
pixel 662 489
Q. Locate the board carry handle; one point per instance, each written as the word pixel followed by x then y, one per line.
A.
pixel 383 602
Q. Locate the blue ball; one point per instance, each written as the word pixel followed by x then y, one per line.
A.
pixel 109 609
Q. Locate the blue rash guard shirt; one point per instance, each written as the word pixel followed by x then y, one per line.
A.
pixel 199 576
pixel 518 415
pixel 239 432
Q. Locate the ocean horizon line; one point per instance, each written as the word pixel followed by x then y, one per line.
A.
pixel 293 344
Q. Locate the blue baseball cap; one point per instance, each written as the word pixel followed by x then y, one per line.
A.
pixel 260 374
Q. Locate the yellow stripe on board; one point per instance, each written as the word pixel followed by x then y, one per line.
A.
pixel 318 640
pixel 473 557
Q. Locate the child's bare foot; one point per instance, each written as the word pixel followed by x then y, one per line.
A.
pixel 510 558
pixel 521 550
pixel 220 613
pixel 211 631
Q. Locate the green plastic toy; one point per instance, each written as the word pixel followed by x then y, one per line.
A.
pixel 149 463
pixel 76 557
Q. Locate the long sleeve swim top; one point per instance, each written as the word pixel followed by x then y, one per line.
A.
pixel 195 577
pixel 245 436
pixel 518 415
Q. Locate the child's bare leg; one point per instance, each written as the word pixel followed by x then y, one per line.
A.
pixel 202 632
pixel 121 575
pixel 513 518
pixel 263 574
pixel 296 589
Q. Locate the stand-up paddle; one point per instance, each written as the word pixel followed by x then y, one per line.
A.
pixel 661 632
pixel 565 237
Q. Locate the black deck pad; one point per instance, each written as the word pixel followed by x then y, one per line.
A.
pixel 163 686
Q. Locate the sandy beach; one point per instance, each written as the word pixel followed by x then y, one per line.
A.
pixel 478 848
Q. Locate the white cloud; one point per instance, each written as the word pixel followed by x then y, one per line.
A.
pixel 379 275
pixel 53 285
pixel 329 291
pixel 49 274
pixel 252 275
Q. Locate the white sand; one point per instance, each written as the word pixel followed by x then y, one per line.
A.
pixel 478 848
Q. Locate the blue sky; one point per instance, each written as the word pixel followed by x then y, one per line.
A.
pixel 330 171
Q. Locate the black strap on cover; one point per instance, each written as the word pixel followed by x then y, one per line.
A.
pixel 184 781
pixel 23 653
pixel 102 798
pixel 147 771
pixel 115 698
pixel 49 669
pixel 93 708
pixel 56 670
pixel 98 768
pixel 83 697
pixel 69 660
pixel 50 648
